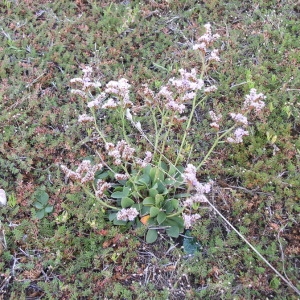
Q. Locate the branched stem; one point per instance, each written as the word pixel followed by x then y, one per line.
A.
pixel 214 146
pixel 254 249
pixel 86 190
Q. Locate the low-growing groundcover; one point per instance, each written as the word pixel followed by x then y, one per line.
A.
pixel 57 242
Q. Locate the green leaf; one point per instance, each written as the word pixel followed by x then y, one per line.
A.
pixel 179 222
pixel 40 214
pixel 126 202
pixel 49 209
pixel 159 200
pixel 112 216
pixel 171 204
pixel 38 205
pixel 147 170
pixel 119 222
pixel 144 179
pixel 42 197
pixel 169 181
pixel 121 194
pixel 154 211
pixel 145 210
pixel 151 236
pixel 161 188
pixel 153 191
pixel 149 201
pixel 172 170
pixel 161 217
pixel 173 231
pixel 152 174
pixel 156 175
pixel 138 206
pixel 103 175
pixel 164 166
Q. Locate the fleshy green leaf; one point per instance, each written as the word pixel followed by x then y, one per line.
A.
pixel 164 166
pixel 126 202
pixel 171 205
pixel 173 231
pixel 161 217
pixel 112 216
pixel 121 194
pixel 147 169
pixel 149 201
pixel 144 179
pixel 151 236
pixel 145 210
pixel 169 181
pixel 43 197
pixel 154 211
pixel 40 214
pixel 159 200
pixel 49 209
pixel 38 205
pixel 153 192
pixel 161 188
pixel 119 222
pixel 138 206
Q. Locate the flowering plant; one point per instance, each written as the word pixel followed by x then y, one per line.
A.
pixel 153 189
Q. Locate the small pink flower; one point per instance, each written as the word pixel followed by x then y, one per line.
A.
pixel 190 220
pixel 253 101
pixel 210 89
pixel 172 105
pixel 239 118
pixel 85 119
pixel 121 176
pixel 189 175
pixel 110 103
pixel 216 119
pixel 214 55
pixel 238 135
pixel 101 187
pixel 127 214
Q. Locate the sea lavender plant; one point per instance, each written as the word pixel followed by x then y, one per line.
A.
pixel 152 189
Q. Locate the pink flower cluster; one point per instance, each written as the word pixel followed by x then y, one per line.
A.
pixel 119 176
pixel 187 82
pixel 253 101
pixel 177 92
pixel 86 81
pixel 238 135
pixel 239 118
pixel 85 118
pixel 143 163
pixel 101 187
pixel 127 214
pixel 189 177
pixel 120 89
pixel 84 173
pixel 121 151
pixel 206 40
pixel 190 220
pixel 216 119
pixel 96 103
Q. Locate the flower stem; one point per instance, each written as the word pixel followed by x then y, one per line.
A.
pixel 86 190
pixel 214 146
